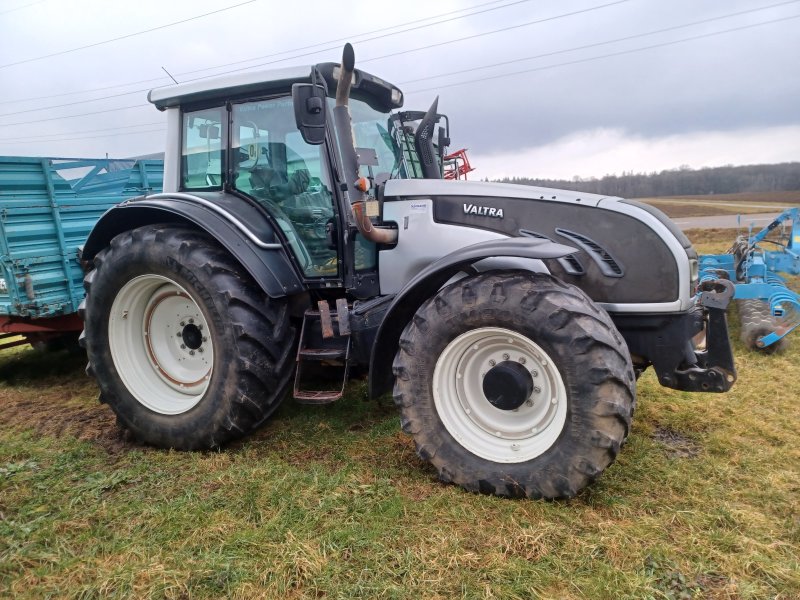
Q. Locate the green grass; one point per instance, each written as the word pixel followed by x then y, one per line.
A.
pixel 332 502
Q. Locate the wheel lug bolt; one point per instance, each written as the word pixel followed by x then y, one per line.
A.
pixel 534 373
pixel 205 339
pixel 537 390
pixel 191 320
pixel 529 403
pixel 522 360
pixel 191 352
pixel 200 349
pixel 506 356
pixel 492 363
pixel 183 323
pixel 200 327
pixel 178 335
pixel 183 346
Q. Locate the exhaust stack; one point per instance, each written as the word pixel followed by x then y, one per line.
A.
pixel 344 127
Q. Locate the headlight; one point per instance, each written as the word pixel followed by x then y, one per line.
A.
pixel 397 97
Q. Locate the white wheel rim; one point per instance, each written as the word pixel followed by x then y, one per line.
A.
pixel 160 344
pixel 507 436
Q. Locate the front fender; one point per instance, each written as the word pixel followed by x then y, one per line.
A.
pixel 239 227
pixel 428 281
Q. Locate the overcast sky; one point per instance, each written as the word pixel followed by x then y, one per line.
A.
pixel 600 92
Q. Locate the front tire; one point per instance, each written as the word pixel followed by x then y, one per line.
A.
pixel 187 350
pixel 514 384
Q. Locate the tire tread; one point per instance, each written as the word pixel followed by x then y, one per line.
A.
pixel 572 319
pixel 263 367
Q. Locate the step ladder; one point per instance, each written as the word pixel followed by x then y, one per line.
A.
pixel 321 345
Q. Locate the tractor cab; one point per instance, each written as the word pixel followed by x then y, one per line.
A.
pixel 270 138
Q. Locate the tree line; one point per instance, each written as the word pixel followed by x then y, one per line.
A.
pixel 683 181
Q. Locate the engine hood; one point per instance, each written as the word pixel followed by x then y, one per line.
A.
pixel 425 188
pixel 631 257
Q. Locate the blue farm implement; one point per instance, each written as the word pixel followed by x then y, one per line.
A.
pixel 768 309
pixel 48 206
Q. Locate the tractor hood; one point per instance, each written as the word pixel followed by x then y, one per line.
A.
pixel 631 257
pixel 410 188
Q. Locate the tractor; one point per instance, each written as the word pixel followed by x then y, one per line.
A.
pixel 306 231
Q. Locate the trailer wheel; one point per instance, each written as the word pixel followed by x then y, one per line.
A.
pixel 514 384
pixel 756 321
pixel 186 349
pixel 55 343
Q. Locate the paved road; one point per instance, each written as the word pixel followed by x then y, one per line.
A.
pixel 725 221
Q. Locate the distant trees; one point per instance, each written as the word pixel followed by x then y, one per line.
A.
pixel 682 181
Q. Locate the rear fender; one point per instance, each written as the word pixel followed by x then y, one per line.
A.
pixel 428 281
pixel 239 227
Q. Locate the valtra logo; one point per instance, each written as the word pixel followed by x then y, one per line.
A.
pixel 483 211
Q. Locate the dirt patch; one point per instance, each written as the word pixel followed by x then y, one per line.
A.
pixel 676 210
pixel 675 443
pixel 48 416
pixel 718 587
pixel 790 197
pixel 712 235
pixel 50 394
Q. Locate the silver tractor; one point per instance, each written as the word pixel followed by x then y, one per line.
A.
pixel 306 232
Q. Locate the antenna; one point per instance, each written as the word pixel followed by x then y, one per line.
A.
pixel 170 75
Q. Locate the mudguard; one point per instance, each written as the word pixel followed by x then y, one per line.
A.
pixel 426 283
pixel 237 225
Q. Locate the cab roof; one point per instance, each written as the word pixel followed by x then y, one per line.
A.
pixel 224 86
pixel 378 93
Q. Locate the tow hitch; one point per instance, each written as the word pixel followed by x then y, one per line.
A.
pixel 665 341
pixel 714 370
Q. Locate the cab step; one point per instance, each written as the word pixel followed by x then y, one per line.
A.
pixel 323 352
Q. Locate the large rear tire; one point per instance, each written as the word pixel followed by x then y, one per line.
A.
pixel 514 384
pixel 187 350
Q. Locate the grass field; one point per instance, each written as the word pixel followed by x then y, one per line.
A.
pixel 332 502
pixel 724 204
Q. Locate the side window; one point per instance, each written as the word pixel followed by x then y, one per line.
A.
pixel 202 146
pixel 274 166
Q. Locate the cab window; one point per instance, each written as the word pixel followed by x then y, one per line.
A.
pixel 202 149
pixel 273 165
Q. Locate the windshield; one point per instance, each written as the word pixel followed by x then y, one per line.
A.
pixel 391 139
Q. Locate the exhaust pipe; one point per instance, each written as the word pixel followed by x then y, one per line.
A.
pixel 344 127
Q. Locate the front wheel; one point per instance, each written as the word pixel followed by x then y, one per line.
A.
pixel 515 384
pixel 187 350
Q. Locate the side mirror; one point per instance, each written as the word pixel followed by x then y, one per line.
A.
pixel 310 111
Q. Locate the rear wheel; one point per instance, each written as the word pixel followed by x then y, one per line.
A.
pixel 514 384
pixel 187 350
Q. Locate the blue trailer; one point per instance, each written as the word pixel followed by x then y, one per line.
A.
pixel 48 206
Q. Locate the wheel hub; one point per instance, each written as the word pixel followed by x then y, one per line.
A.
pixel 499 394
pixel 160 343
pixel 508 385
pixel 192 336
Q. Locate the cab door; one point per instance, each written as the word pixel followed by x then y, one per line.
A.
pixel 290 179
